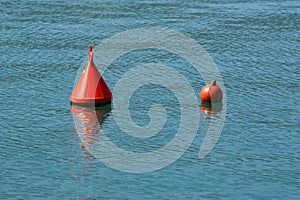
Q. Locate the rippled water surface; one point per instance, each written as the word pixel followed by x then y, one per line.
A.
pixel 255 45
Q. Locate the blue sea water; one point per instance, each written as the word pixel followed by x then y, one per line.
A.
pixel 255 45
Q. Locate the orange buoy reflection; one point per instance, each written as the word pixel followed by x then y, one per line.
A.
pixel 89 120
pixel 210 108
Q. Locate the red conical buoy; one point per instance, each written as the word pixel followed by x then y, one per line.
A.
pixel 211 93
pixel 91 88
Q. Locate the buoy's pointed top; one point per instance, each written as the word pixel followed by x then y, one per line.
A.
pixel 214 82
pixel 90 54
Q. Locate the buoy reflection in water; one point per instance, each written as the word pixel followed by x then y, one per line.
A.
pixel 213 112
pixel 88 121
pixel 210 108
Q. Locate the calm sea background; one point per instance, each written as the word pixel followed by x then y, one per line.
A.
pixel 255 45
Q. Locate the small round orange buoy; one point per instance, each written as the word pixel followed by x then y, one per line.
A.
pixel 211 93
